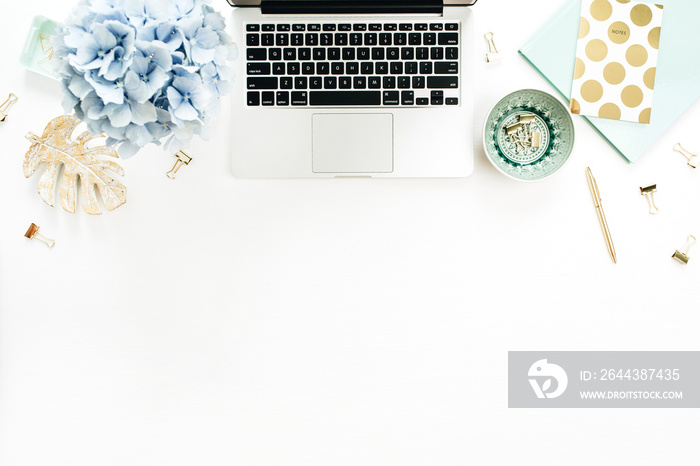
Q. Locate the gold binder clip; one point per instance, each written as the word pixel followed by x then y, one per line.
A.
pixel 5 107
pixel 648 192
pixel 682 256
pixel 33 233
pixel 690 157
pixel 492 55
pixel 182 159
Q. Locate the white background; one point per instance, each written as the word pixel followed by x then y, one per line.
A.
pixel 219 321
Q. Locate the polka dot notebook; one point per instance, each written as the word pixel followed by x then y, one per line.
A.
pixel 552 52
pixel 616 57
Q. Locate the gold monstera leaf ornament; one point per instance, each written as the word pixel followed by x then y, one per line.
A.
pixel 57 147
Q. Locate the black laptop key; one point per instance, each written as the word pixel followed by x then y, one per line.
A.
pixel 302 82
pixel 275 54
pixel 452 53
pixel 316 83
pixel 267 40
pixel 290 54
pixel 355 39
pixel 252 40
pixel 378 53
pixel 319 54
pixel 352 67
pixel 367 67
pixel 407 97
pixel 426 67
pixel 393 53
pixel 323 67
pixel 448 38
pixel 329 27
pixel 371 38
pixel 436 27
pixel 304 53
pixel 391 97
pixel 404 82
pixel 283 27
pixel 286 83
pixel 253 98
pixel 384 39
pixel 298 27
pixel 437 53
pixel 293 68
pixel 359 82
pixel 422 101
pixel 282 40
pixel 268 98
pixel 341 38
pixel 268 27
pixel 421 27
pixel 436 97
pixel 252 27
pixel 359 27
pixel 363 53
pixel 375 27
pixel 337 68
pixel 259 68
pixel 331 82
pixel 348 53
pixel 451 27
pixel 390 27
pixel 345 82
pixel 400 38
pixel 411 67
pixel 311 39
pixel 314 27
pixel 407 53
pixel 429 38
pixel 326 39
pixel 308 68
pixel 382 67
pixel 396 67
pixel 297 40
pixel 415 38
pixel 282 98
pixel 418 82
pixel 443 82
pixel 447 67
pixel 374 82
pixel 278 69
pixel 422 53
pixel 344 98
pixel 452 101
pixel 405 27
pixel 345 27
pixel 334 53
pixel 389 82
pixel 256 54
pixel 300 98
pixel 263 83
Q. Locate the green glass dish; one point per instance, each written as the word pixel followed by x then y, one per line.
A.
pixel 549 118
pixel 38 52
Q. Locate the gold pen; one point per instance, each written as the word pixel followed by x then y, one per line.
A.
pixel 595 192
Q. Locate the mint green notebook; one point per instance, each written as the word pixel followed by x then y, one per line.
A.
pixel 552 51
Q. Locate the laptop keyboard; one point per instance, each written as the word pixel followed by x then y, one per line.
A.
pixel 358 65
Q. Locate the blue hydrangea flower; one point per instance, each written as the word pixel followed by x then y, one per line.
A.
pixel 145 71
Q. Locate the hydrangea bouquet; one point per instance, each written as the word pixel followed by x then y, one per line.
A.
pixel 144 71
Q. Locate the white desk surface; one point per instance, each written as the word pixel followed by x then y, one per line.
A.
pixel 219 321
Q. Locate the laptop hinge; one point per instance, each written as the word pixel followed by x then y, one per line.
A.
pixel 307 7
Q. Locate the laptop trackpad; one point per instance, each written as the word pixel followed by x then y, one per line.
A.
pixel 353 143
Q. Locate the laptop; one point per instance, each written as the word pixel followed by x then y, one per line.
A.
pixel 353 88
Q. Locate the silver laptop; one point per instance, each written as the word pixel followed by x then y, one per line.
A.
pixel 366 88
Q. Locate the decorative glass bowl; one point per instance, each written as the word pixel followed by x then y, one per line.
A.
pixel 548 117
